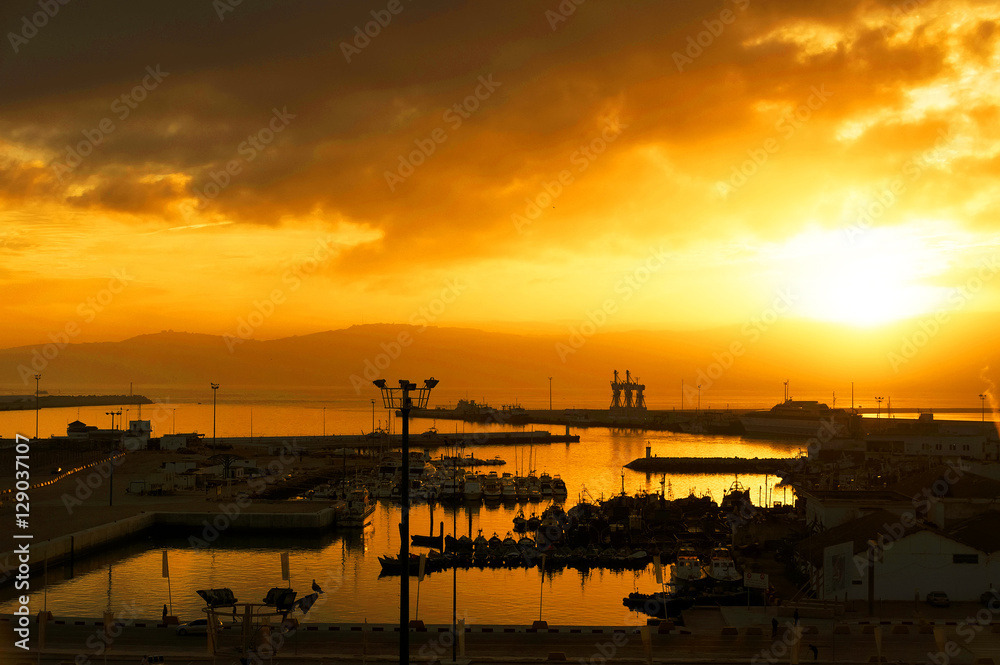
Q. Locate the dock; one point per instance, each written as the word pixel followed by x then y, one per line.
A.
pixel 429 440
pixel 710 465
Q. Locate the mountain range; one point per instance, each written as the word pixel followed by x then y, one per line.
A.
pixel 912 361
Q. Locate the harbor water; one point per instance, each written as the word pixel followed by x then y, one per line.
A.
pixel 345 562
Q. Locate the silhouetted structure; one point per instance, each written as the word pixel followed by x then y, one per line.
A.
pixel 627 397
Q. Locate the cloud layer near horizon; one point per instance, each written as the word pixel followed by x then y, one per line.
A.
pixel 230 145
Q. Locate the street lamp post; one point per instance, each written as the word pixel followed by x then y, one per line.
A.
pixel 400 398
pixel 550 393
pixel 215 392
pixel 37 378
pixel 982 399
pixel 878 411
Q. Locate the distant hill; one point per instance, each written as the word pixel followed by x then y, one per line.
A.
pixel 739 364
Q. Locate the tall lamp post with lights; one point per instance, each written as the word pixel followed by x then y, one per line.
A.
pixel 402 399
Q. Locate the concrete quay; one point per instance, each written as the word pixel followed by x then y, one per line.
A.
pixel 709 637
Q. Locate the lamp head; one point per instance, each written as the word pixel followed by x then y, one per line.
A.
pixel 430 383
pixel 380 384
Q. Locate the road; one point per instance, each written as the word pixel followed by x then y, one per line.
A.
pixel 84 645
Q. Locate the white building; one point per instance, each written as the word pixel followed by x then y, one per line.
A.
pixel 826 509
pixel 899 558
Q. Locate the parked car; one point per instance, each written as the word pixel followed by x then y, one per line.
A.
pixel 938 599
pixel 197 627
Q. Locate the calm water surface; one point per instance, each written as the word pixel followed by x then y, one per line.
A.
pixel 345 562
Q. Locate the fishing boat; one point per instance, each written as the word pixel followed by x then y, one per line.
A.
pixel 473 487
pixel 688 567
pixel 453 487
pixel 357 509
pixel 508 491
pixel 545 484
pixel 559 487
pixel 520 523
pixel 491 487
pixel 721 566
pixel 523 491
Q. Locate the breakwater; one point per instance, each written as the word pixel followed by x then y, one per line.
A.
pixel 27 402
pixel 429 440
pixel 722 465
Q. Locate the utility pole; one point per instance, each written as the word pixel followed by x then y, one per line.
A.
pixel 215 392
pixel 37 378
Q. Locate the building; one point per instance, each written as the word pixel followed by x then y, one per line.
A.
pixel 826 509
pixel 884 556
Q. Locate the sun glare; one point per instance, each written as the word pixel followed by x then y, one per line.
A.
pixel 880 277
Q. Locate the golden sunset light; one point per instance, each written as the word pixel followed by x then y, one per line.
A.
pixel 691 305
pixel 544 162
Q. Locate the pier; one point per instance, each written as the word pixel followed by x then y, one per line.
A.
pixel 720 465
pixel 430 440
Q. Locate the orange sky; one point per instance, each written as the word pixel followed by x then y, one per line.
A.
pixel 692 164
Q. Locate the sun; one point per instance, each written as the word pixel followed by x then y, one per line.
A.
pixel 883 276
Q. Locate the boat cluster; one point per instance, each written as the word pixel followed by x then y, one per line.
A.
pixel 688 537
pixel 546 550
pixel 450 483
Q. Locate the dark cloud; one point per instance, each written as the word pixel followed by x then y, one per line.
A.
pixel 354 120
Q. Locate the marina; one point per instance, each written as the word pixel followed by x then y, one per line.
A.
pixel 612 530
pixel 579 594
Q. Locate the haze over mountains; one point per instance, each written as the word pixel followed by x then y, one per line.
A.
pixel 913 362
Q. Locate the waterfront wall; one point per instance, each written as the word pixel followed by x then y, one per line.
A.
pixel 88 541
